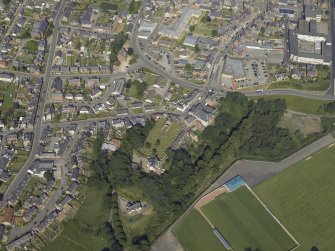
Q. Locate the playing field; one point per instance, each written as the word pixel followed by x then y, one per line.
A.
pixel 302 197
pixel 245 223
pixel 195 234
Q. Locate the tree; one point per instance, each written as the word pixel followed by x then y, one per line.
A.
pixel 132 61
pixel 48 175
pixel 158 142
pixel 197 48
pixel 147 145
pixel 116 46
pixel 154 152
pixel 188 67
pixel 215 33
pixel 133 7
pixel 192 28
pixel 6 2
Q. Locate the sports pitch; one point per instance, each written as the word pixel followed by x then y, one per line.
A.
pixel 245 223
pixel 302 197
pixel 195 234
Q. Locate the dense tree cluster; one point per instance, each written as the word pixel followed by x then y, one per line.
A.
pixel 243 128
pixel 6 3
pixel 116 46
pixel 134 7
pixel 329 107
pixel 138 87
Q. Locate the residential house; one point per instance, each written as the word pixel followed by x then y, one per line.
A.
pixel 39 29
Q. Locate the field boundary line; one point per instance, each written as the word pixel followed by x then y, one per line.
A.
pixel 276 219
pixel 69 239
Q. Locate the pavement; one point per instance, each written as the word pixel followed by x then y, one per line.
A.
pixel 253 172
pixel 331 89
pixel 52 200
pixel 38 120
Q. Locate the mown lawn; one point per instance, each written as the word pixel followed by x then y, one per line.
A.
pixel 18 162
pixel 302 197
pixel 195 234
pixel 32 45
pixel 161 138
pixel 245 223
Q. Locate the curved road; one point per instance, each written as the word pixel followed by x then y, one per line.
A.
pixel 38 120
pixel 254 173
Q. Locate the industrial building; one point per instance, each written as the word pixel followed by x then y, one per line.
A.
pixel 306 43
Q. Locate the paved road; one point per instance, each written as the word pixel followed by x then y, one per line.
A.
pixel 331 90
pixel 261 170
pixel 150 64
pixel 52 200
pixel 254 173
pixel 290 92
pixel 38 121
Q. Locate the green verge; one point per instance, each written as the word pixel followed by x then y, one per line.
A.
pixel 302 197
pixel 195 234
pixel 320 85
pixel 301 104
pixel 245 223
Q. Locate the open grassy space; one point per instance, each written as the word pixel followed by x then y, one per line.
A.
pixel 301 104
pixel 136 89
pixel 32 45
pixel 195 234
pixel 319 85
pixel 302 197
pixel 18 162
pixel 83 232
pixel 7 94
pixel 162 133
pixel 245 223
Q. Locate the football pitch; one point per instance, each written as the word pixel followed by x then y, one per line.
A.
pixel 302 197
pixel 245 223
pixel 195 234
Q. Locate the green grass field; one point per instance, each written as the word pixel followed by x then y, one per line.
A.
pixel 319 85
pixel 245 223
pixel 298 104
pixel 302 197
pixel 195 234
pixel 83 232
pixel 166 136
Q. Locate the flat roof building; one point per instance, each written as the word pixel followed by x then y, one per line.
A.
pixel 233 69
pixel 191 41
pixel 307 45
pixel 180 25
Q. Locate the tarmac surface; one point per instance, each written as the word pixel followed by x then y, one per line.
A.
pixel 254 173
